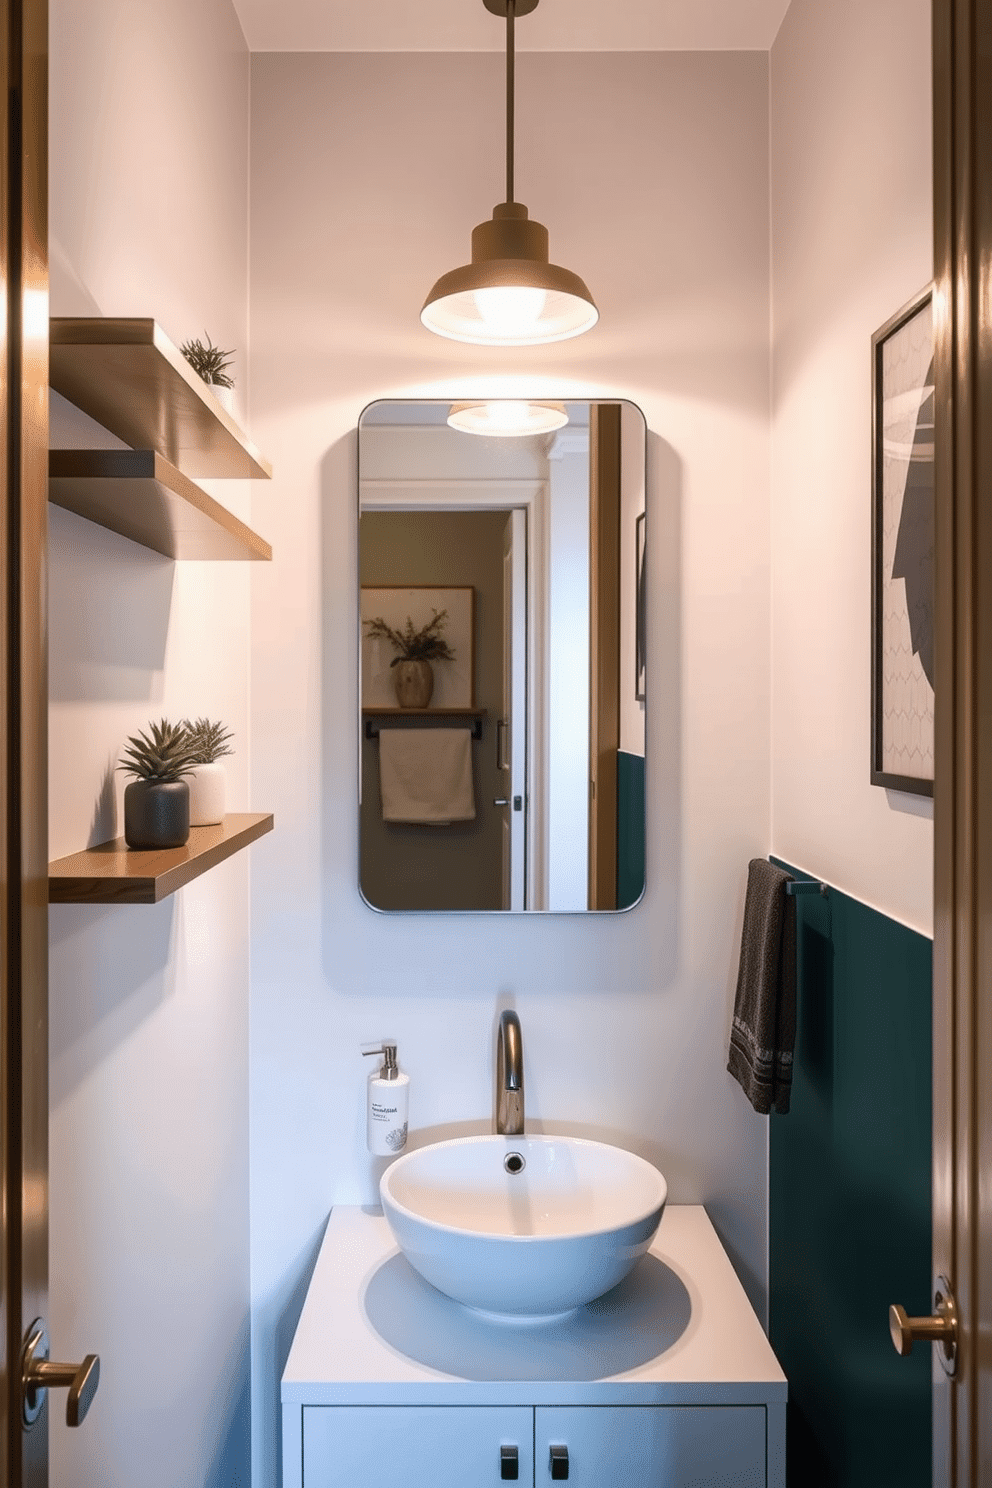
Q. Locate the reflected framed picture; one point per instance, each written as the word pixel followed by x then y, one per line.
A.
pixel 640 610
pixel 411 609
pixel 902 597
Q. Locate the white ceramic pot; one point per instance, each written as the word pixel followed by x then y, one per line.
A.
pixel 207 795
pixel 224 396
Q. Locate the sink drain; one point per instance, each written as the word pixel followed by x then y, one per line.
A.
pixel 514 1162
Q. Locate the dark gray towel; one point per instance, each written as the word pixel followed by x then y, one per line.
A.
pixel 764 1029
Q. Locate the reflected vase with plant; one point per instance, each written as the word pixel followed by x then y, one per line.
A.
pixel 413 675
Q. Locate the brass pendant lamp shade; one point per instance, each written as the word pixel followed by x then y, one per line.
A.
pixel 510 294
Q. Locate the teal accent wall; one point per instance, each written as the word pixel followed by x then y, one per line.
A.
pixel 850 1213
pixel 630 829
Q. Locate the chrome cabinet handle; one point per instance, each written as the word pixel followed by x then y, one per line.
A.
pixel 500 801
pixel 941 1328
pixel 39 1374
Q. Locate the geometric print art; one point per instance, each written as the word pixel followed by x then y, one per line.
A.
pixel 905 535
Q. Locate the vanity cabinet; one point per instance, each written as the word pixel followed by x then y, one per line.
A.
pixel 653 1446
pixel 403 1446
pixel 624 1446
pixel 668 1382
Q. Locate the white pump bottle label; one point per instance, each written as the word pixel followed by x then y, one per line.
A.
pixel 388 1108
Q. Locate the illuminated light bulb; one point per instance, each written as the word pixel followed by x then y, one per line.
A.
pixel 510 310
pixel 508 417
pixel 507 414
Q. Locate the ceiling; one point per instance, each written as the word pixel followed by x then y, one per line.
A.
pixel 466 26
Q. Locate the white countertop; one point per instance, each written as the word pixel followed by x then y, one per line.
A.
pixel 678 1330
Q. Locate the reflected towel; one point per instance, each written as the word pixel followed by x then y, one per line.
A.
pixel 425 775
pixel 764 1028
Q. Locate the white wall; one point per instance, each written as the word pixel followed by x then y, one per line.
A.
pixel 368 173
pixel 852 242
pixel 149 1006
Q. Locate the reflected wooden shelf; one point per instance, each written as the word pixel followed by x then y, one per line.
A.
pixel 112 873
pixel 139 494
pixel 129 376
pixel 417 716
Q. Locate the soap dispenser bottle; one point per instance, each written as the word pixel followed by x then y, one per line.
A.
pixel 388 1104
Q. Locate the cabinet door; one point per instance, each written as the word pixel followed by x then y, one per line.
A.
pixel 401 1446
pixel 637 1446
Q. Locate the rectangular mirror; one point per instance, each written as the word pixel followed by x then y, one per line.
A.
pixel 502 656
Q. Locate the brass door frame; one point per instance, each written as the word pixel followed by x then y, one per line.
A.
pixel 23 720
pixel 962 52
pixel 604 650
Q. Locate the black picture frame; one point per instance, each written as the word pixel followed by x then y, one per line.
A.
pixel 640 611
pixel 902 527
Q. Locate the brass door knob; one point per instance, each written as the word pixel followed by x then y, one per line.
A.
pixel 39 1374
pixel 941 1328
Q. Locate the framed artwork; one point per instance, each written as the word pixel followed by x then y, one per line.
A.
pixel 902 597
pixel 454 681
pixel 640 603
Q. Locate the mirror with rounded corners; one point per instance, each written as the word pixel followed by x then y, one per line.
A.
pixel 502 610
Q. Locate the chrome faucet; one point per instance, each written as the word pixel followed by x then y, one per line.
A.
pixel 509 1077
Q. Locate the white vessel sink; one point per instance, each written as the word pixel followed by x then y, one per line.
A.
pixel 523 1226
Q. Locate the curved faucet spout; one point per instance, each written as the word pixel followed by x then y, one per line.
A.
pixel 509 1076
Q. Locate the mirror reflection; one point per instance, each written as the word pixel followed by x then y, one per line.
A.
pixel 502 655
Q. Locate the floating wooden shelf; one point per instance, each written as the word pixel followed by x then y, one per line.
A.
pixel 140 495
pixel 115 874
pixel 129 376
pixel 416 716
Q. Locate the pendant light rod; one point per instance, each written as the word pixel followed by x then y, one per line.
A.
pixel 511 7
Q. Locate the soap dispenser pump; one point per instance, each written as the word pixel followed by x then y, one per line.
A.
pixel 388 1104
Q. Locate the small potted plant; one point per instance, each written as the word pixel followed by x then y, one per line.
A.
pixel 211 364
pixel 208 742
pixel 413 677
pixel 156 803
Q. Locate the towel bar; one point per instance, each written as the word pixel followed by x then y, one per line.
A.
pixel 372 727
pixel 805 886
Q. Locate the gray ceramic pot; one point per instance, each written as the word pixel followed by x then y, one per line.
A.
pixel 156 813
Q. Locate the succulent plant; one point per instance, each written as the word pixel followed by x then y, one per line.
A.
pixel 425 644
pixel 209 362
pixel 165 756
pixel 208 741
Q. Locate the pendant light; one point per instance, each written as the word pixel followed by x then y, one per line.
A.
pixel 508 418
pixel 509 295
